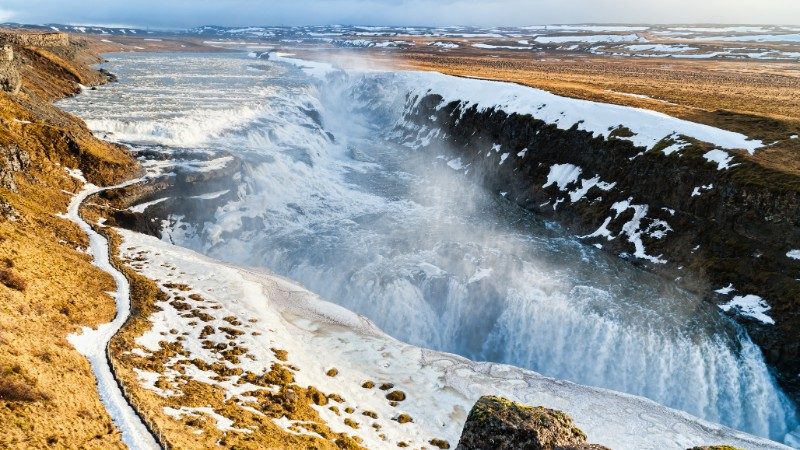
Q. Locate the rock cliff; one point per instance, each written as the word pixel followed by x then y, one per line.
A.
pixel 720 224
pixel 10 81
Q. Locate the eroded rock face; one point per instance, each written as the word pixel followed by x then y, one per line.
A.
pixel 674 213
pixel 12 160
pixel 10 80
pixel 495 423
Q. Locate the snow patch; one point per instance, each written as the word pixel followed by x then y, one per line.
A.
pixel 751 306
pixel 721 157
pixel 562 175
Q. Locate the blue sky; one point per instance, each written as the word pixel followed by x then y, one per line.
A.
pixel 188 13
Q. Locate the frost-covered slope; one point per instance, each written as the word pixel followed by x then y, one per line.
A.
pixel 439 388
pixel 648 127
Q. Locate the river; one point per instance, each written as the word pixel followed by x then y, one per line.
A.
pixel 328 199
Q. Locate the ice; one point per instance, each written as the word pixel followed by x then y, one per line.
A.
pixel 751 306
pixel 562 175
pixel 211 195
pixel 446 45
pixel 223 423
pixel 752 38
pixel 140 208
pixel 312 68
pixel 441 387
pixel 455 164
pixel 92 342
pixel 587 184
pixel 592 39
pixel 504 47
pixel 698 191
pixel 661 48
pixel 633 229
pixel 726 290
pixel 649 127
pixel 721 157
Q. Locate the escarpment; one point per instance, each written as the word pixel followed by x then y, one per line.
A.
pixel 716 221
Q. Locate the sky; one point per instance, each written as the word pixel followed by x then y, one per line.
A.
pixel 190 13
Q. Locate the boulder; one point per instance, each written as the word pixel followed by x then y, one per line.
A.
pixel 495 423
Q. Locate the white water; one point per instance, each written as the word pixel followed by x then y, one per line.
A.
pixel 92 343
pixel 431 258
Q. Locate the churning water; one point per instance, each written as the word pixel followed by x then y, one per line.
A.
pixel 430 257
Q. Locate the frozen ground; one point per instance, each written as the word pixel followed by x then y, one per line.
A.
pixel 440 387
pixel 92 343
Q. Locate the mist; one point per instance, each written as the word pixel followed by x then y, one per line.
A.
pixel 190 13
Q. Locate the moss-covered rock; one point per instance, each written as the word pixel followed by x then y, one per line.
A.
pixel 715 447
pixel 499 424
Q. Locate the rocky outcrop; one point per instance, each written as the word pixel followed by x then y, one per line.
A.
pixel 715 447
pixel 12 160
pixel 668 209
pixel 10 80
pixel 495 423
pixel 192 193
pixel 32 39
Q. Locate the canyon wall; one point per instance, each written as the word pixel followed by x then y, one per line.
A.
pixel 720 225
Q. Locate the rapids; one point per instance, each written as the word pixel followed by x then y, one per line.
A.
pixel 329 200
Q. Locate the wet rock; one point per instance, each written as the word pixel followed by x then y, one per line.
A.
pixel 739 231
pixel 495 423
pixel 109 76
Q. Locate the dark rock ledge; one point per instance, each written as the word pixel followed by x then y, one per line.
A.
pixel 495 423
pixel 737 229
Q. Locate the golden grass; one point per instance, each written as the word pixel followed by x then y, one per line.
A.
pixel 758 98
pixel 197 432
pixel 48 397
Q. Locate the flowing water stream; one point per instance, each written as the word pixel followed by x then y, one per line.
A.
pixel 430 257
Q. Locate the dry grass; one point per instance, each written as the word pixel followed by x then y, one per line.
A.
pixel 758 98
pixel 49 286
pixel 12 280
pixel 286 399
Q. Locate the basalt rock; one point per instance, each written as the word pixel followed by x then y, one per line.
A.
pixel 33 39
pixel 10 79
pixel 675 214
pixel 12 160
pixel 495 423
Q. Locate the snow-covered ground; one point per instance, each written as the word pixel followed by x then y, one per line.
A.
pixel 440 388
pixel 649 127
pixel 92 343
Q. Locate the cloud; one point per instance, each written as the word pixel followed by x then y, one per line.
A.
pixel 188 13
pixel 6 15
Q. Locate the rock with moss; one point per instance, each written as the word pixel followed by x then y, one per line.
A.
pixel 715 447
pixel 495 423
